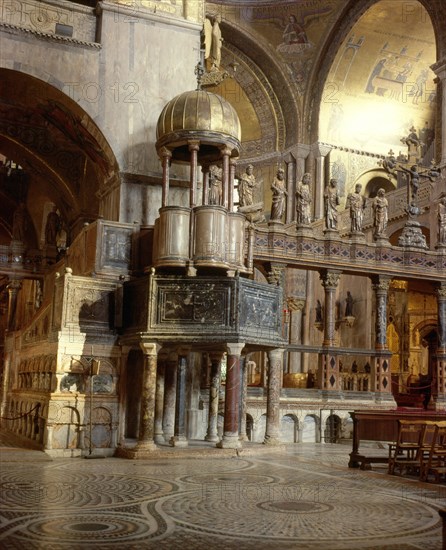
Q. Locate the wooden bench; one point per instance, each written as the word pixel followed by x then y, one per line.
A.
pixel 381 426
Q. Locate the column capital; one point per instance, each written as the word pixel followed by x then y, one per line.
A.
pixel 295 304
pixel 275 273
pixel 330 279
pixel 165 152
pixel 183 351
pixel 216 355
pixel 235 348
pixel 150 348
pixel 193 144
pixel 382 283
pixel 441 290
pixel 276 353
pixel 225 151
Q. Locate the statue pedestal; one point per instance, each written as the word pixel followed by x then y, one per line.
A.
pixel 253 212
pixel 412 236
pixel 50 253
pixel 304 231
pixel 356 236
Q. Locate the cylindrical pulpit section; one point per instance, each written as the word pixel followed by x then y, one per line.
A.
pixel 235 255
pixel 211 236
pixel 172 237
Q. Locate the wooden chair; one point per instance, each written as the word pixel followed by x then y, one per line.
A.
pixel 404 454
pixel 435 463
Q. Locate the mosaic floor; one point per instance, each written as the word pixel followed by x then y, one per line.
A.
pixel 301 497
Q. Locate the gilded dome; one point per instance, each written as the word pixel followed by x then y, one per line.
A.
pixel 198 115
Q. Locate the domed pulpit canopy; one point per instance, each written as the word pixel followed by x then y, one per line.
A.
pixel 199 116
pixel 200 128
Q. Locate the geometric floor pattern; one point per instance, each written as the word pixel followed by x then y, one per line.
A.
pixel 303 497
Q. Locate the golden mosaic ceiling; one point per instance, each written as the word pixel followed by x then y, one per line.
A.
pixel 381 84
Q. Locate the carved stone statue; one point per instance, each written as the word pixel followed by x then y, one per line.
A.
pixel 380 214
pixel 442 220
pixel 331 201
pixel 349 305
pixel 303 201
pixel 246 186
pixel 356 202
pixel 19 223
pixel 212 42
pixel 52 227
pixel 215 185
pixel 319 317
pixel 279 194
pixel 414 180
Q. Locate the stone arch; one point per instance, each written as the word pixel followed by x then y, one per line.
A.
pixel 67 430
pixel 333 428
pixel 272 87
pixel 310 429
pixel 63 152
pixel 101 428
pixel 289 428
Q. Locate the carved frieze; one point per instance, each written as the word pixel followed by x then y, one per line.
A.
pixel 201 309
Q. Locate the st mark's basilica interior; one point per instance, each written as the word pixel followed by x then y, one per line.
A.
pixel 266 213
pixel 220 222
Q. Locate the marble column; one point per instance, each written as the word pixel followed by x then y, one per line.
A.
pixel 440 397
pixel 159 400
pixel 194 147
pixel 382 378
pixel 232 168
pixel 272 432
pixel 232 397
pixel 170 392
pixel 295 306
pixel 439 69
pixel 166 157
pixel 205 190
pixel 214 390
pixel 328 377
pixel 320 151
pixel 226 177
pixel 147 414
pixel 244 396
pixel 179 438
pixel 13 287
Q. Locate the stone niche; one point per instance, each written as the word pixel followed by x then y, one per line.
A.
pixel 204 310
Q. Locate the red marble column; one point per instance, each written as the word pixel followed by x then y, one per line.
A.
pixel 147 415
pixel 232 398
pixel 272 432
pixel 244 396
pixel 214 389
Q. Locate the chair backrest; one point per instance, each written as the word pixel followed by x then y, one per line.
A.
pixel 410 431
